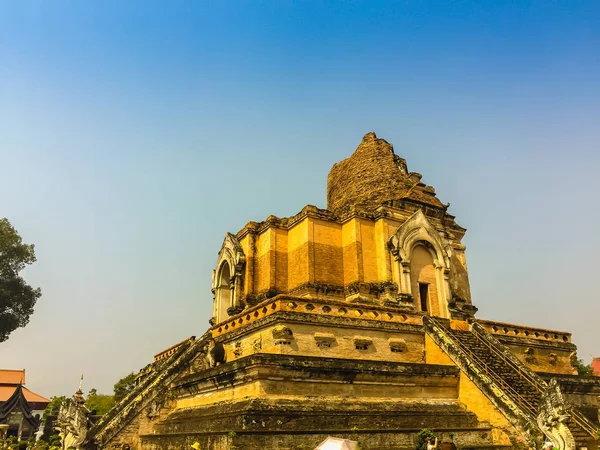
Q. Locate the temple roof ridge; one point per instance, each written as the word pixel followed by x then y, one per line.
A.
pixel 18 402
pixel 12 376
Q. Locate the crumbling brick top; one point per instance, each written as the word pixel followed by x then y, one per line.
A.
pixel 373 175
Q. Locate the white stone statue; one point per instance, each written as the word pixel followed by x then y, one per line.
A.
pixel 73 420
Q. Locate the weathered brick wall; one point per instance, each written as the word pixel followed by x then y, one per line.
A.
pixel 339 340
pixel 483 438
pixel 129 435
pixel 372 175
pixel 543 357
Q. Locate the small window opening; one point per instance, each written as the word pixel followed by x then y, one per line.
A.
pixel 362 346
pixel 396 350
pixel 324 344
pixel 423 295
pixel 283 342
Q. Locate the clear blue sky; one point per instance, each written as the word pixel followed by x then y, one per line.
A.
pixel 134 134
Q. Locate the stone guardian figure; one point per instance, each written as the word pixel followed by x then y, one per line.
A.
pixel 73 420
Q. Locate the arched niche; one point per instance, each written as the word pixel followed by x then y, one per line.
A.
pixel 423 277
pixel 418 238
pixel 227 282
pixel 223 292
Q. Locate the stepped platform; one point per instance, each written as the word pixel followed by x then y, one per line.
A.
pixel 294 402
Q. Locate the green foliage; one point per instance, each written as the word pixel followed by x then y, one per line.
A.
pixel 41 445
pixel 124 386
pixel 17 298
pixel 12 443
pixel 422 437
pixel 583 369
pixel 99 403
pixel 232 434
pixel 53 407
pixel 55 440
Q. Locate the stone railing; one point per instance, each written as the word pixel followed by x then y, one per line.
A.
pixel 507 329
pixel 172 349
pixel 553 404
pixel 161 373
pixel 501 395
pixel 316 307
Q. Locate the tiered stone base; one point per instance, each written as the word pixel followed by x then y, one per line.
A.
pixel 293 403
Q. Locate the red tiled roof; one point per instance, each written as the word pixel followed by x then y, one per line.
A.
pixel 15 377
pixel 7 391
pixel 596 366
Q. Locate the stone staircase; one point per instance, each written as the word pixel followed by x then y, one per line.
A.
pixel 152 385
pixel 514 382
pixel 507 382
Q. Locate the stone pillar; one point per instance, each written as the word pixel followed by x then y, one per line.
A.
pixel 443 288
pixel 405 287
pixel 232 291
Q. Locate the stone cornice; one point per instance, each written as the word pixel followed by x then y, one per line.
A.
pixel 172 349
pixel 575 383
pixel 317 308
pixel 522 341
pixel 338 366
pixel 386 210
pixel 312 319
pixel 511 330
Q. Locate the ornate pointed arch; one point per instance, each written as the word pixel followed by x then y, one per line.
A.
pixel 227 278
pixel 232 252
pixel 418 230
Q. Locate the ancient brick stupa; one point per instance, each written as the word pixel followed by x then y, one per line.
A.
pixel 355 322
